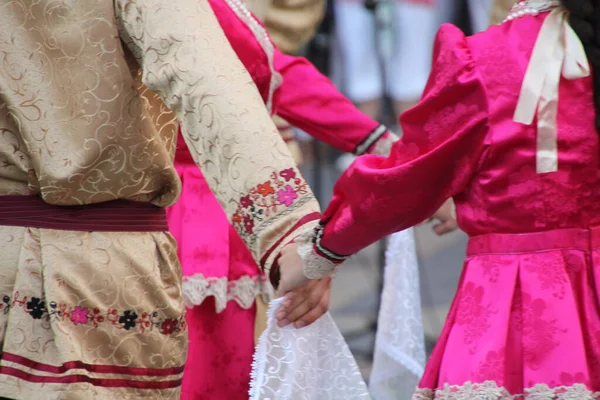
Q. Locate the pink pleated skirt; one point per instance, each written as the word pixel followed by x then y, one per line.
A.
pixel 525 322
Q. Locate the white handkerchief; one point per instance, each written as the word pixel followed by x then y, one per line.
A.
pixel 312 363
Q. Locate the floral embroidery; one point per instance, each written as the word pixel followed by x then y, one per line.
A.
pixel 128 319
pixel 492 368
pixel 36 307
pixel 283 189
pixel 94 317
pixel 550 272
pixel 248 224
pixel 246 202
pixel 538 333
pixel 288 174
pixel 568 379
pixel 168 326
pixel 472 314
pixel 265 189
pixel 287 196
pixel 80 315
pixel 490 267
pixel 6 304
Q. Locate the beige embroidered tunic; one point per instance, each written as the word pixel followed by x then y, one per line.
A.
pixel 89 315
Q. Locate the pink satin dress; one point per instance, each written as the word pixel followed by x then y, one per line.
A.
pixel 221 279
pixel 525 321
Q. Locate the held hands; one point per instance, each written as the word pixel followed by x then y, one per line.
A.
pixel 305 300
pixel 306 304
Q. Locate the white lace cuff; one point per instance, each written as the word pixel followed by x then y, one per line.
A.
pixel 318 261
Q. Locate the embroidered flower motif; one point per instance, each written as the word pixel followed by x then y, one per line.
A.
pixel 492 368
pixel 288 174
pixel 539 333
pixel 128 319
pixel 80 315
pixel 95 317
pixel 567 379
pixel 287 196
pixel 168 326
pixel 265 201
pixel 473 314
pixel 36 307
pixel 248 224
pixel 265 189
pixel 6 306
pixel 246 201
pixel 550 272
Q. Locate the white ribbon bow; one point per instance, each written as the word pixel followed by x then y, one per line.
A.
pixel 557 51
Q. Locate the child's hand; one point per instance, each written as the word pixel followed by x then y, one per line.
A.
pixel 306 304
pixel 291 269
pixel 446 216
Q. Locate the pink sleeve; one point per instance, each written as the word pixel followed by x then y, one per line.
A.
pixel 444 140
pixel 309 101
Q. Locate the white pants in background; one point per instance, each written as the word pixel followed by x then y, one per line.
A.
pixel 404 74
pixel 479 12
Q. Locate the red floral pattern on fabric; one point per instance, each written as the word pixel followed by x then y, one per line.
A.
pixel 221 348
pixel 473 314
pixel 143 322
pixel 538 331
pixel 551 274
pixel 492 368
pixel 281 190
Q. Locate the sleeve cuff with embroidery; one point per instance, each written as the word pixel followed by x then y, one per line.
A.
pixel 319 262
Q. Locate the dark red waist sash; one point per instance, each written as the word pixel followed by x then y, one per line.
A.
pixel 112 216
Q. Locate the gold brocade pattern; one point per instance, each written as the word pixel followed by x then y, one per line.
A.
pixel 75 129
pixel 213 111
pixel 129 273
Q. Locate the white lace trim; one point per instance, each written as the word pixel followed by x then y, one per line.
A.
pixel 197 288
pixel 264 40
pixel 383 146
pixel 315 265
pixel 491 391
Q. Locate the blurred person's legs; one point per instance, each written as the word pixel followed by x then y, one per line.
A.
pixel 410 63
pixel 446 11
pixel 357 38
pixel 479 11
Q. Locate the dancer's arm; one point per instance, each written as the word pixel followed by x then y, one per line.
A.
pixel 187 60
pixel 444 141
pixel 308 100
